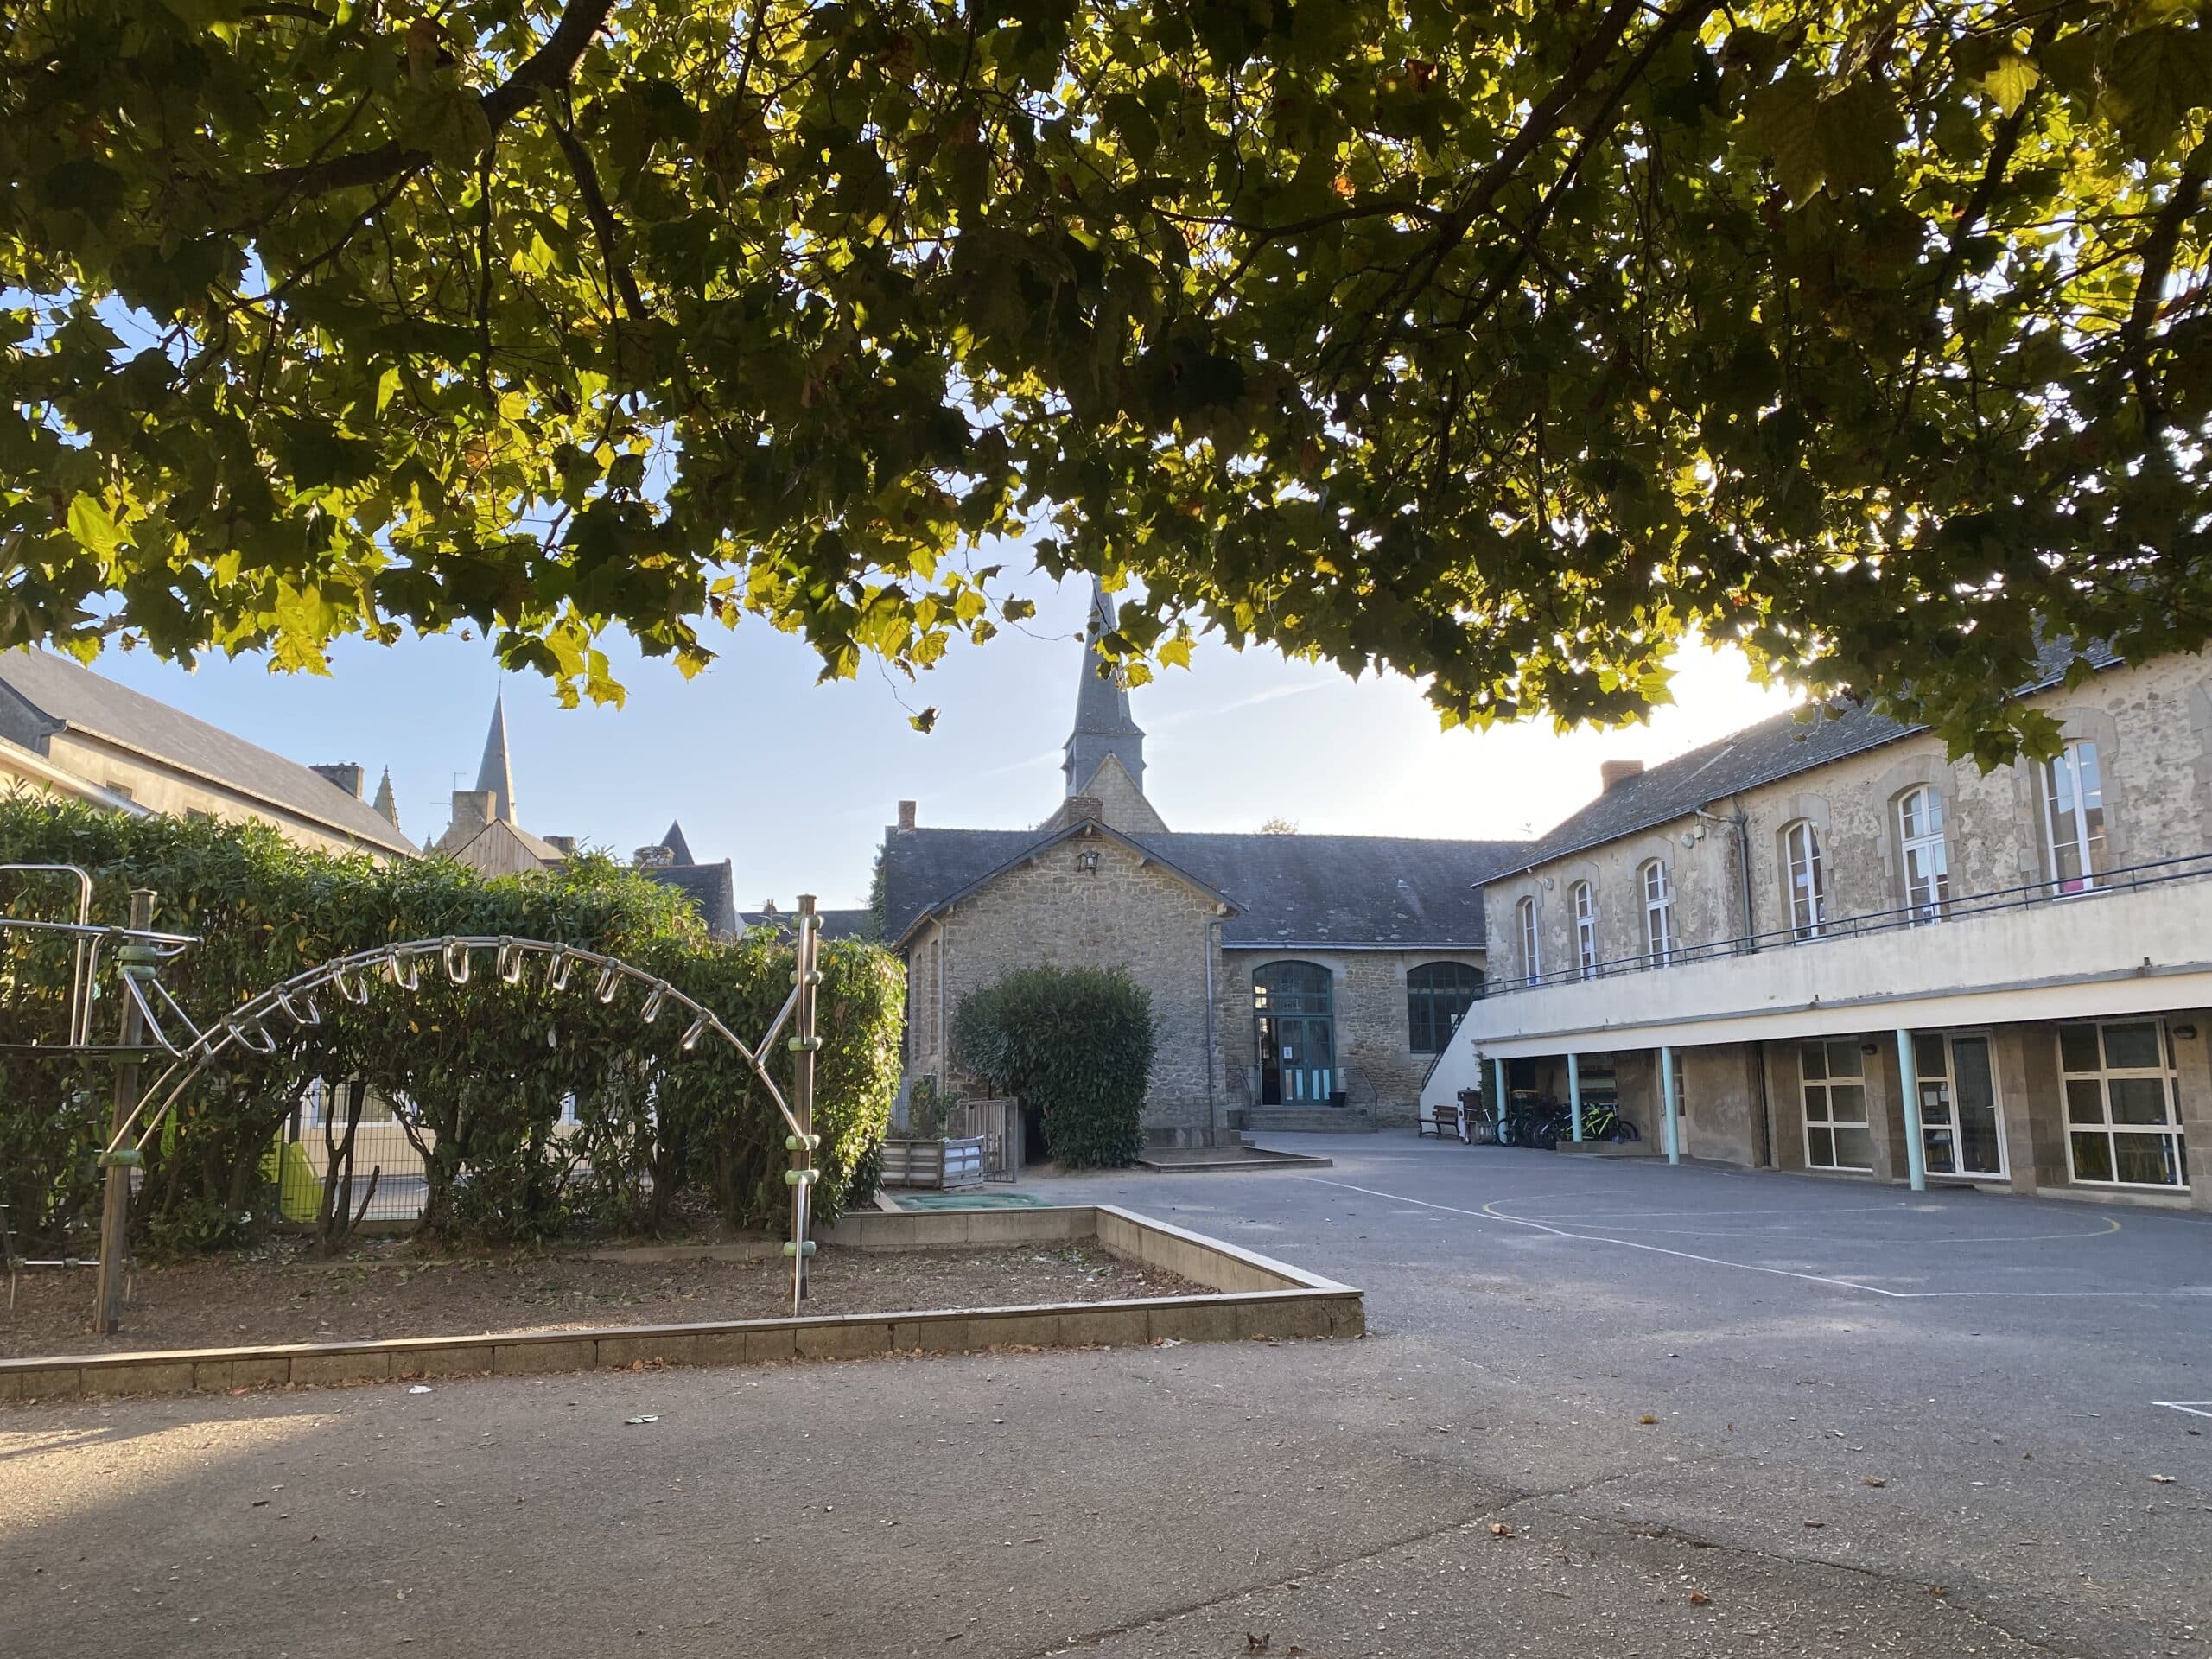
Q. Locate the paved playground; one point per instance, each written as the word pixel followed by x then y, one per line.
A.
pixel 1608 1408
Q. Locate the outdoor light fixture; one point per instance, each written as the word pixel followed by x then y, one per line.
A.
pixel 610 980
pixel 2186 1033
pixel 556 968
pixel 402 970
pixel 456 956
pixel 698 1029
pixel 510 960
pixel 650 1012
pixel 1869 1048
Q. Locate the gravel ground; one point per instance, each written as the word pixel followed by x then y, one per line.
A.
pixel 285 1293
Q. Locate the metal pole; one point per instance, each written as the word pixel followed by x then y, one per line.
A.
pixel 115 1207
pixel 807 976
pixel 1497 1107
pixel 1916 1144
pixel 1574 1093
pixel 1666 1105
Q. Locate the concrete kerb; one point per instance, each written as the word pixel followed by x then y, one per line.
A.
pixel 1253 1298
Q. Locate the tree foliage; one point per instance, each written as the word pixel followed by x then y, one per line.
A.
pixel 478 1072
pixel 1074 1043
pixel 1497 344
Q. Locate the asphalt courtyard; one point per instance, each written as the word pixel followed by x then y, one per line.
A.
pixel 1608 1409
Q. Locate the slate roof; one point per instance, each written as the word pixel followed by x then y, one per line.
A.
pixel 58 691
pixel 835 923
pixel 711 888
pixel 1345 891
pixel 1773 749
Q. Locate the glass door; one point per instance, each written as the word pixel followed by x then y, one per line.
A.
pixel 1836 1134
pixel 1960 1121
pixel 1292 1005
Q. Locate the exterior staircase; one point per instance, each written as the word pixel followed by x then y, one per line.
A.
pixel 1303 1120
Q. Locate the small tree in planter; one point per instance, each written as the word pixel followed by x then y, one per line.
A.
pixel 1074 1043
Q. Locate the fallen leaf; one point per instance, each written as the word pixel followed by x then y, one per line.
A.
pixel 647 1419
pixel 1499 1529
pixel 2163 1480
pixel 1647 1418
pixel 1816 1524
pixel 1699 1598
pixel 1869 1480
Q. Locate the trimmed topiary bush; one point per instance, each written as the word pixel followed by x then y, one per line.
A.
pixel 1074 1043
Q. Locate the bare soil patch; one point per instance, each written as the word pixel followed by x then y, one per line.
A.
pixel 285 1293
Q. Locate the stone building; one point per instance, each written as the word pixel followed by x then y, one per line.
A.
pixel 1297 981
pixel 65 730
pixel 1852 955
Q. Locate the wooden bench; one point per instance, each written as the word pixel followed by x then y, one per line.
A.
pixel 1438 1121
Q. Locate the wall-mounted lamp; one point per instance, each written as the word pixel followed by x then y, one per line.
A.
pixel 1087 862
pixel 1869 1048
pixel 2185 1033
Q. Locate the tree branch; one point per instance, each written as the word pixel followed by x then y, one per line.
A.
pixel 544 70
pixel 2159 249
pixel 601 217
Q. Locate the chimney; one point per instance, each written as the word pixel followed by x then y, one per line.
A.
pixel 346 774
pixel 906 815
pixel 472 810
pixel 655 858
pixel 566 845
pixel 1611 774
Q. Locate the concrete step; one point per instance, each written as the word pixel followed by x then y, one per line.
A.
pixel 1308 1119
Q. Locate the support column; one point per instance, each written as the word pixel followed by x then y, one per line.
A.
pixel 1498 1106
pixel 1666 1105
pixel 1574 1093
pixel 1915 1142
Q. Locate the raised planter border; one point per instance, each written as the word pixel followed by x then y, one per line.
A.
pixel 1253 1297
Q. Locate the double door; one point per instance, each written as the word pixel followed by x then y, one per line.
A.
pixel 1960 1122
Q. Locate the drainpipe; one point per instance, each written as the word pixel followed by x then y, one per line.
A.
pixel 1740 823
pixel 1213 1126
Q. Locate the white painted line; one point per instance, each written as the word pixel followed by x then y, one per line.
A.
pixel 2193 1407
pixel 1487 1213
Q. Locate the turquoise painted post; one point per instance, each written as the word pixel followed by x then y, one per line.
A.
pixel 1666 1105
pixel 1916 1141
pixel 1574 1093
pixel 1497 1107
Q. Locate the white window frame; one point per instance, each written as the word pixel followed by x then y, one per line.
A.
pixel 1658 911
pixel 1924 856
pixel 1817 1091
pixel 1532 943
pixel 1585 901
pixel 1948 1079
pixel 1805 880
pixel 2090 848
pixel 2106 1074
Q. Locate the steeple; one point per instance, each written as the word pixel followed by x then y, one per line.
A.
pixel 1102 723
pixel 387 805
pixel 496 777
pixel 679 849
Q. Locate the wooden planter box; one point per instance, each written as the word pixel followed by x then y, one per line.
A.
pixel 933 1164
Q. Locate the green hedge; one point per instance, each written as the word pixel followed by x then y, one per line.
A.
pixel 478 1071
pixel 1074 1043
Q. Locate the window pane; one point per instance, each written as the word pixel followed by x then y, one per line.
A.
pixel 2077 1048
pixel 2138 1100
pixel 1844 1058
pixel 1848 1103
pixel 1820 1148
pixel 2092 1158
pixel 1929 1055
pixel 2132 1047
pixel 2085 1101
pixel 2148 1160
pixel 1815 1060
pixel 1854 1149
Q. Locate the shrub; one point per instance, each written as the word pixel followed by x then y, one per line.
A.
pixel 478 1073
pixel 1074 1043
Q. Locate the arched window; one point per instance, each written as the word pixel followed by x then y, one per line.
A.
pixel 1658 912
pixel 1927 860
pixel 1437 993
pixel 1532 945
pixel 1293 1011
pixel 2074 817
pixel 1585 930
pixel 1808 885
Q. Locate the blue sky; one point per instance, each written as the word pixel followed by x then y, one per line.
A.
pixel 794 781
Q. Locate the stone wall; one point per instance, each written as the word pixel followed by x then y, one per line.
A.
pixel 1373 1038
pixel 2152 726
pixel 1125 913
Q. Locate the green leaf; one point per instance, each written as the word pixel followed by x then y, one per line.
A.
pixel 2010 81
pixel 90 524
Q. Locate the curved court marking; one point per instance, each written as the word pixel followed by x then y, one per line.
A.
pixel 1488 1214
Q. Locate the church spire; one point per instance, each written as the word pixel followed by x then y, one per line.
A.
pixel 496 776
pixel 1103 723
pixel 386 805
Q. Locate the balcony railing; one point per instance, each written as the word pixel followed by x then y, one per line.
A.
pixel 2195 867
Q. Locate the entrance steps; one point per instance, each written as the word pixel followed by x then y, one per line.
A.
pixel 1304 1120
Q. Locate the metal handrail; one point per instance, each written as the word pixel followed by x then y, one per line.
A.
pixel 2026 896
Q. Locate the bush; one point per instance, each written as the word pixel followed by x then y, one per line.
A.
pixel 1074 1043
pixel 478 1073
